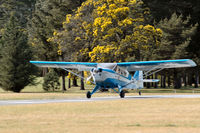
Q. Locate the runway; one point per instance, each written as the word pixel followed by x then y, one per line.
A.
pixel 71 100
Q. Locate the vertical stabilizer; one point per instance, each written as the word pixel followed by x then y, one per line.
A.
pixel 138 77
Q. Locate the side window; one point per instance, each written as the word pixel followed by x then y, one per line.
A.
pixel 115 69
pixel 120 71
pixel 125 74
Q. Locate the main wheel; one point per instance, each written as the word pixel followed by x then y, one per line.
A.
pixel 122 94
pixel 88 95
pixel 140 93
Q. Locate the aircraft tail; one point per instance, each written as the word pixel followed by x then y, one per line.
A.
pixel 139 81
pixel 138 77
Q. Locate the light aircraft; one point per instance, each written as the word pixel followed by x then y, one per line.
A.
pixel 116 75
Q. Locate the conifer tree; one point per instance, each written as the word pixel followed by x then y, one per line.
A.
pixel 48 17
pixel 164 8
pixel 177 34
pixel 23 8
pixel 16 71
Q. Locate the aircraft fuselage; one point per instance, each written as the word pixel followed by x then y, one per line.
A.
pixel 108 78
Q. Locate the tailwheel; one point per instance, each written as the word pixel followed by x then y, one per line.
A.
pixel 88 95
pixel 122 94
pixel 140 93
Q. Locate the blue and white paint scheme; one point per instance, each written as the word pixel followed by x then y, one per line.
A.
pixel 116 75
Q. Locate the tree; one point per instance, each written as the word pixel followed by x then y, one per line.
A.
pixel 16 71
pixel 47 18
pixel 22 7
pixel 176 38
pixel 177 34
pixel 164 9
pixel 104 28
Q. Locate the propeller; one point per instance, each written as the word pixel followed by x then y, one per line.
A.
pixel 90 77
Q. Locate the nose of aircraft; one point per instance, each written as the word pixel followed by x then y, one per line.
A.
pixel 97 70
pixel 96 74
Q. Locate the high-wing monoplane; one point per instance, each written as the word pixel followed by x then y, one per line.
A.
pixel 116 75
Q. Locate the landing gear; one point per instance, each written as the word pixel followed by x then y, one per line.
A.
pixel 122 94
pixel 88 95
pixel 140 93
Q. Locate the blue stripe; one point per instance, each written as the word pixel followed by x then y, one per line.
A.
pixel 152 62
pixel 62 63
pixel 111 83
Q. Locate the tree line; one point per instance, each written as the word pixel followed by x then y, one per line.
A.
pixel 96 31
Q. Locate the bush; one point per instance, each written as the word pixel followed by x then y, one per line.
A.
pixel 51 81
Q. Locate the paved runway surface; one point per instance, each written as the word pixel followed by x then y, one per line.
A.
pixel 43 101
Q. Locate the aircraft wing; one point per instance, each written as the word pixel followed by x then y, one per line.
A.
pixel 81 66
pixel 152 65
pixel 129 66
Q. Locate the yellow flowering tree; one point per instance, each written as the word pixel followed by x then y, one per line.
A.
pixel 102 53
pixel 108 30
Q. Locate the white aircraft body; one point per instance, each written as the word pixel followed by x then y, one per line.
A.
pixel 116 75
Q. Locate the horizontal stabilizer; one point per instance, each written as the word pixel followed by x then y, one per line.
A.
pixel 151 80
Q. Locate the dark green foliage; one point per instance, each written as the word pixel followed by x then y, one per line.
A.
pixel 16 71
pixel 51 81
pixel 177 34
pixel 22 7
pixel 161 9
pixel 48 17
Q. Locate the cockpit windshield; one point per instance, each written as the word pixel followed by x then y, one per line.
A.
pixel 114 67
pixel 107 65
pixel 121 71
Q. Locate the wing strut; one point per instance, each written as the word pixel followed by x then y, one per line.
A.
pixel 153 68
pixel 146 74
pixel 86 79
pixel 71 72
pixel 74 73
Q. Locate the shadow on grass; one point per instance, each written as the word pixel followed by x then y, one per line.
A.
pixel 134 125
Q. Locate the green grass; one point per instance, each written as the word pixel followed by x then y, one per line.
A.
pixel 36 92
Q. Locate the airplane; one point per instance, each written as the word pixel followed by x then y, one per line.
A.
pixel 116 75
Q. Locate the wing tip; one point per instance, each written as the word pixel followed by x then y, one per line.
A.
pixel 192 63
